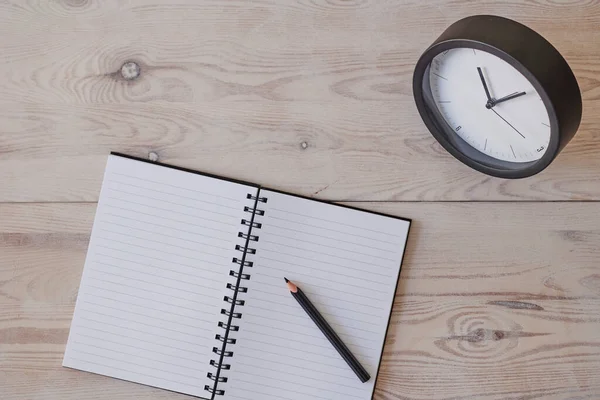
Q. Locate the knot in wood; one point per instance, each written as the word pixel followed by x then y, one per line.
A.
pixel 152 156
pixel 304 145
pixel 76 3
pixel 130 70
pixel 478 335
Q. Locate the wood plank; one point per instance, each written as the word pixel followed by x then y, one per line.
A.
pixel 496 301
pixel 235 88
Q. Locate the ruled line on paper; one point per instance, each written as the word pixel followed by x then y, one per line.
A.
pixel 212 237
pixel 293 307
pixel 176 187
pixel 124 353
pixel 179 356
pixel 187 351
pixel 306 319
pixel 162 234
pixel 340 284
pixel 325 345
pixel 197 250
pixel 332 230
pixel 319 356
pixel 305 322
pixel 316 260
pixel 344 368
pixel 156 241
pixel 157 265
pixel 283 363
pixel 319 336
pixel 133 372
pixel 149 248
pixel 336 222
pixel 262 394
pixel 196 284
pixel 137 322
pixel 287 389
pixel 164 210
pixel 321 286
pixel 96 296
pixel 349 272
pixel 316 303
pixel 160 268
pixel 138 339
pixel 336 273
pixel 150 299
pixel 237 396
pixel 154 190
pixel 170 202
pixel 329 254
pixel 120 335
pixel 291 304
pixel 324 313
pixel 287 229
pixel 141 365
pixel 280 389
pixel 296 240
pixel 146 290
pixel 153 317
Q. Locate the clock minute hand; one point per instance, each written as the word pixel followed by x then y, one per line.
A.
pixel 509 97
pixel 485 87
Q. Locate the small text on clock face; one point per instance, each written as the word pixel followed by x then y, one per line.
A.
pixel 514 130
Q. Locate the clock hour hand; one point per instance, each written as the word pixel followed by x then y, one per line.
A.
pixel 485 87
pixel 509 97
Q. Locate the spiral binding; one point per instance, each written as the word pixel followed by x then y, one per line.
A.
pixel 232 300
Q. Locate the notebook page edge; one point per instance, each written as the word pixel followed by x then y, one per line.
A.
pixel 83 273
pixel 409 220
pixel 67 361
pixel 392 307
pixel 390 301
pixel 185 169
pixel 136 383
pixel 336 204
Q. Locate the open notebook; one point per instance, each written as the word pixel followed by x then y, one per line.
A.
pixel 183 287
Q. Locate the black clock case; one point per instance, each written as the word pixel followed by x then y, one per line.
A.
pixel 531 55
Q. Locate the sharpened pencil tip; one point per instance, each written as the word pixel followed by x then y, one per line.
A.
pixel 291 286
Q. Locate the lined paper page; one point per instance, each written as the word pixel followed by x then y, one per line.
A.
pixel 154 276
pixel 347 262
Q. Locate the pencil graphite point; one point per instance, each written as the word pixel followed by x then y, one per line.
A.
pixel 286 279
pixel 293 288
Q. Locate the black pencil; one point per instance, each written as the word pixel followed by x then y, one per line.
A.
pixel 328 331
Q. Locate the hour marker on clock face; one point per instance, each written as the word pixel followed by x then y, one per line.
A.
pixel 497 96
pixel 490 105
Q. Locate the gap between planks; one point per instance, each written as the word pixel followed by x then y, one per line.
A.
pixel 360 201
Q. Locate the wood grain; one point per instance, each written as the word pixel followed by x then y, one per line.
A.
pixel 496 301
pixel 235 87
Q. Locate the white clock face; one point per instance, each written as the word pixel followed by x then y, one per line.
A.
pixel 515 129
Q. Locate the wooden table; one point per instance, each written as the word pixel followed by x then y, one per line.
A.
pixel 500 292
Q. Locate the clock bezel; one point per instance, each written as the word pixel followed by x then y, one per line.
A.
pixel 484 163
